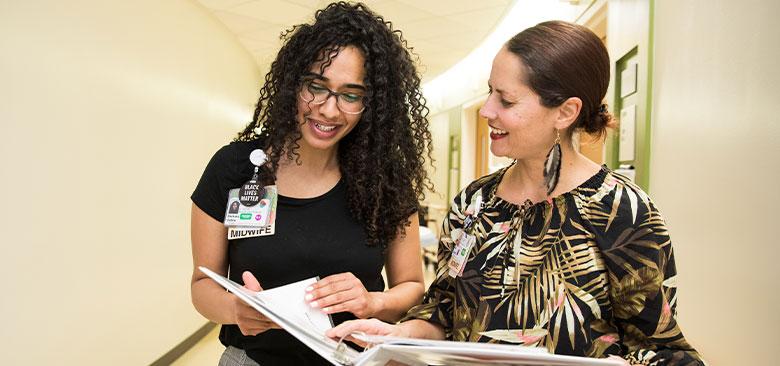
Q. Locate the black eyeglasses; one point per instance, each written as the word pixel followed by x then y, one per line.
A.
pixel 347 102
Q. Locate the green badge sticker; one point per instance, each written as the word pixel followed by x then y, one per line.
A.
pixel 246 216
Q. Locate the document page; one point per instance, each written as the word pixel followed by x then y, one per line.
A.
pixel 287 301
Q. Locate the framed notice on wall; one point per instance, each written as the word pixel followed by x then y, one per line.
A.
pixel 628 80
pixel 626 146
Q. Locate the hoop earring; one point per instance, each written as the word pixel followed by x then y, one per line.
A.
pixel 552 165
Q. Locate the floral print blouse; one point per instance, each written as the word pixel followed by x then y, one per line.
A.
pixel 588 273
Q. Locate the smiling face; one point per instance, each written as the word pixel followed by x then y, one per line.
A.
pixel 520 126
pixel 324 125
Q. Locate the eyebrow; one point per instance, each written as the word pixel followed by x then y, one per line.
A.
pixel 323 78
pixel 491 87
pixel 502 92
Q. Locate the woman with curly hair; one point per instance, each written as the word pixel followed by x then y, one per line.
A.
pixel 343 125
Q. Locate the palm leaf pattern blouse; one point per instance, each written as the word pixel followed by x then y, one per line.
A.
pixel 588 273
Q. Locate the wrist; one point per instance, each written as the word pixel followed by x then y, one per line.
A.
pixel 404 330
pixel 376 302
pixel 233 309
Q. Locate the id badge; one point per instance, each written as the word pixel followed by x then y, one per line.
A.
pixel 460 254
pixel 249 221
pixel 237 214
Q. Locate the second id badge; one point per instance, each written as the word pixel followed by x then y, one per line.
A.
pixel 460 254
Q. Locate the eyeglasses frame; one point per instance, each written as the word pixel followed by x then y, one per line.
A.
pixel 305 86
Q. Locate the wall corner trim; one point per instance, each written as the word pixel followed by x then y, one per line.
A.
pixel 176 352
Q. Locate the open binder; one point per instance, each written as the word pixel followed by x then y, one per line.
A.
pixel 286 307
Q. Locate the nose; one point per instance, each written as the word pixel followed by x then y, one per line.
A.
pixel 330 109
pixel 487 110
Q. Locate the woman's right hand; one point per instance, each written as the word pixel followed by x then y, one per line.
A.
pixel 250 321
pixel 367 326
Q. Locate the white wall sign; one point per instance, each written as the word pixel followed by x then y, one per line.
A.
pixel 628 80
pixel 627 133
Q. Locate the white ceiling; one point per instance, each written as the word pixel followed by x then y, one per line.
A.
pixel 441 31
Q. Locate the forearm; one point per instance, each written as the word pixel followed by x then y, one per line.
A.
pixel 418 328
pixel 392 304
pixel 209 249
pixel 212 301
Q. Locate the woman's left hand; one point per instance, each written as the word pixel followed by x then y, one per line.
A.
pixel 342 292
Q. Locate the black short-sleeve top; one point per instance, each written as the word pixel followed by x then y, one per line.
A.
pixel 313 237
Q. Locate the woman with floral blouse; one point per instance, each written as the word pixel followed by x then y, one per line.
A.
pixel 553 251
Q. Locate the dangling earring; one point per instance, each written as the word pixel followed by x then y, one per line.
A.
pixel 552 165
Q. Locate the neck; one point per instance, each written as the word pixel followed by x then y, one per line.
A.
pixel 525 179
pixel 313 162
pixel 317 173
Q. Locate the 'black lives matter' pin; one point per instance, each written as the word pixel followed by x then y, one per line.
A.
pixel 252 191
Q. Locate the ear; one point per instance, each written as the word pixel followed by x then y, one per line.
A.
pixel 568 112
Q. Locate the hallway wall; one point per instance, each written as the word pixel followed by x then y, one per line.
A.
pixel 715 145
pixel 109 111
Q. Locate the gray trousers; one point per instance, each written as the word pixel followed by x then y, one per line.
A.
pixel 236 357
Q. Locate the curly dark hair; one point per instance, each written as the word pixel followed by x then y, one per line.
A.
pixel 382 160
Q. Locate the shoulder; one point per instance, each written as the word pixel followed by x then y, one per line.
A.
pixel 617 204
pixel 231 162
pixel 618 187
pixel 236 152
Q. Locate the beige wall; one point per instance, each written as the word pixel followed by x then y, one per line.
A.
pixel 714 170
pixel 439 127
pixel 468 138
pixel 109 110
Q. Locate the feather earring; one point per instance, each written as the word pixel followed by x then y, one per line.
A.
pixel 552 165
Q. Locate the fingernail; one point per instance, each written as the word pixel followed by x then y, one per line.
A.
pixel 309 288
pixel 313 304
pixel 309 296
pixel 326 309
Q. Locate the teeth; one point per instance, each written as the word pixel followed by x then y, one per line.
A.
pixel 324 128
pixel 497 131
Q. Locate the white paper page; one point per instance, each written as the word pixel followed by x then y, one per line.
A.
pixel 288 301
